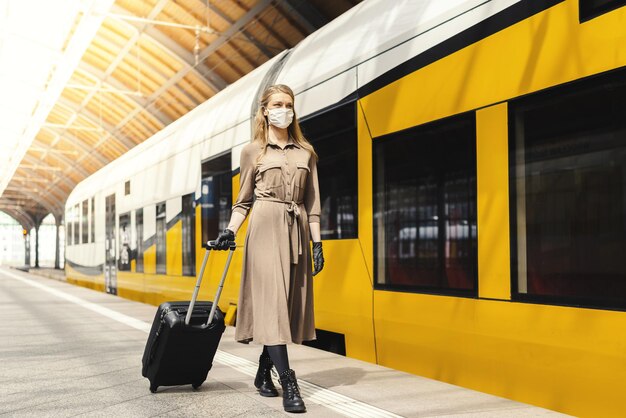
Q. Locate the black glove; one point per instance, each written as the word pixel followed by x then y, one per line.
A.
pixel 318 257
pixel 223 239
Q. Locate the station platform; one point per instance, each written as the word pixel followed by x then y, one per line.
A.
pixel 72 351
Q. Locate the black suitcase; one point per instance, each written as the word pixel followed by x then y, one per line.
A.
pixel 182 342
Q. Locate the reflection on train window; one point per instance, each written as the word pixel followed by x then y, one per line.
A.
pixel 333 134
pixel 76 217
pixel 189 235
pixel 139 238
pixel 124 257
pixel 85 222
pixel 161 232
pixel 425 208
pixel 588 9
pixel 217 195
pixel 93 220
pixel 569 178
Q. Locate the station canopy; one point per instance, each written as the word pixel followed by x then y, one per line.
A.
pixel 84 81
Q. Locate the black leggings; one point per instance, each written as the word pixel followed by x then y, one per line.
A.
pixel 278 354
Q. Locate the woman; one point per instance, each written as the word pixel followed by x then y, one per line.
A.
pixel 279 168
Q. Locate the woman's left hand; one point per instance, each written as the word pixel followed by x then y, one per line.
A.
pixel 318 257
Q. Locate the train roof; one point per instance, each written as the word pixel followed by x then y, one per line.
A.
pixel 326 67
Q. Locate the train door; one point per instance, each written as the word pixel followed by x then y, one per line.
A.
pixel 110 268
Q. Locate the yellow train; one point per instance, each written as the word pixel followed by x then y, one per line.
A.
pixel 473 177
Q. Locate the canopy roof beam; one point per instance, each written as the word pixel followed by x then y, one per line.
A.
pixel 221 40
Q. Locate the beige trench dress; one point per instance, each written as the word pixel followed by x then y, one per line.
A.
pixel 276 294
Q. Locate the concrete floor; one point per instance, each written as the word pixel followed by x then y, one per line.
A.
pixel 69 351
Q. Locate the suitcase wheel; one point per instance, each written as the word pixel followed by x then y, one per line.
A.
pixel 153 388
pixel 197 385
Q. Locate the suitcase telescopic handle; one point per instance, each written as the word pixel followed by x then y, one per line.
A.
pixel 210 245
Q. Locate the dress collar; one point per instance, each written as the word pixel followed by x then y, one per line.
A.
pixel 289 142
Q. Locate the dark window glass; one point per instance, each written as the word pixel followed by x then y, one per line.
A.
pixel 189 235
pixel 217 196
pixel 333 134
pixel 123 261
pixel 127 188
pixel 161 233
pixel 425 208
pixel 588 9
pixel 139 231
pixel 93 220
pixel 85 222
pixel 77 224
pixel 69 224
pixel 569 204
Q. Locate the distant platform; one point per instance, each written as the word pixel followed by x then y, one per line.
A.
pixel 71 351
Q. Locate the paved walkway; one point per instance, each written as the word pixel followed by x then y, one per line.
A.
pixel 70 351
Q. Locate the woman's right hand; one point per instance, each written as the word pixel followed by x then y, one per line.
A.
pixel 223 239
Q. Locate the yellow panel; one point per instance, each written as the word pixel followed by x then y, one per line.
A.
pixel 149 260
pixel 75 277
pixel 131 286
pixel 547 49
pixel 231 312
pixel 343 298
pixel 174 250
pixel 492 169
pixel 365 185
pixel 566 359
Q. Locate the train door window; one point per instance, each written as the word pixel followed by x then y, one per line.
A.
pixel 425 208
pixel 217 195
pixel 125 255
pixel 333 134
pixel 85 222
pixel 189 235
pixel 77 224
pixel 568 182
pixel 161 232
pixel 588 9
pixel 139 237
pixel 93 220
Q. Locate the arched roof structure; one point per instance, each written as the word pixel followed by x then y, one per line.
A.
pixel 149 63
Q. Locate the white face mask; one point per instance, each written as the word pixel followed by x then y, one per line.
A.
pixel 280 117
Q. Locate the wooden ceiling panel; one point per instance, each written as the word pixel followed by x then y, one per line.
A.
pixel 138 76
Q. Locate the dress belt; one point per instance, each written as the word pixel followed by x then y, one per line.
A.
pixel 292 211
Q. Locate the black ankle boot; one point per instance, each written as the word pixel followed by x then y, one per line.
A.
pixel 292 401
pixel 263 380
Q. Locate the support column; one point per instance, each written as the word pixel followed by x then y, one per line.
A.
pixel 37 244
pixel 27 250
pixel 57 252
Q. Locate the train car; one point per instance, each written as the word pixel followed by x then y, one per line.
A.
pixel 473 178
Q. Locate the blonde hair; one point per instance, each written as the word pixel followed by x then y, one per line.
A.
pixel 261 129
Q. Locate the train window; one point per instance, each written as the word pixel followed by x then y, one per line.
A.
pixel 69 223
pixel 85 222
pixel 189 235
pixel 425 208
pixel 76 217
pixel 333 134
pixel 123 261
pixel 93 219
pixel 217 196
pixel 139 238
pixel 568 183
pixel 588 9
pixel 161 233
